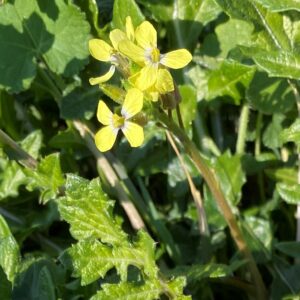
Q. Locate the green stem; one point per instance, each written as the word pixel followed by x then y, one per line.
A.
pixel 243 123
pixel 211 181
pixel 257 150
pixel 23 157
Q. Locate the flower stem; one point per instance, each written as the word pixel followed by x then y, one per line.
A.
pixel 243 123
pixel 209 178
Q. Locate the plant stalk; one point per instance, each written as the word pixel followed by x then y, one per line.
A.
pixel 242 132
pixel 209 178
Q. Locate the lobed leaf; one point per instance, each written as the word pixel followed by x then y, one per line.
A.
pixel 47 177
pixel 150 290
pixel 92 259
pixel 50 31
pixel 89 211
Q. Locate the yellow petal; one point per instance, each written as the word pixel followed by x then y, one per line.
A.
pixel 133 103
pixel 100 49
pixel 104 115
pixel 129 28
pixel 105 138
pixel 145 35
pixel 164 83
pixel 148 76
pixel 176 59
pixel 116 36
pixel 132 51
pixel 134 134
pixel 103 78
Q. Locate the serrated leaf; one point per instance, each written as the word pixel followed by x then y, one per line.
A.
pixel 231 79
pixel 261 18
pixel 124 8
pixel 292 134
pixel 270 95
pixel 27 34
pixel 290 248
pixel 290 193
pixel 130 291
pixel 47 177
pixel 92 259
pixel 231 177
pixel 9 251
pixel 282 5
pixel 275 63
pixel 89 211
pixel 176 287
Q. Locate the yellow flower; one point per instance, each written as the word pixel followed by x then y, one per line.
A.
pixel 102 51
pixel 148 55
pixel 163 84
pixel 106 136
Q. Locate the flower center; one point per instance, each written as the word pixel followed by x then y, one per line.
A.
pixel 155 55
pixel 117 121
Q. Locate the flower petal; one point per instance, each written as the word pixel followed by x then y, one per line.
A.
pixel 164 83
pixel 116 36
pixel 133 103
pixel 176 59
pixel 104 115
pixel 148 76
pixel 103 78
pixel 146 35
pixel 134 134
pixel 129 29
pixel 134 52
pixel 105 138
pixel 100 49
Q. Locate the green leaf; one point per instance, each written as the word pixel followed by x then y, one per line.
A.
pixel 275 63
pixel 9 251
pixel 292 134
pixel 5 286
pixel 231 177
pixel 290 248
pixel 89 211
pixel 124 8
pixel 184 18
pixel 27 34
pixel 290 193
pixel 38 279
pixel 261 18
pixel 80 103
pixel 227 40
pixel 287 175
pixel 271 135
pixel 130 291
pixel 282 5
pixel 47 177
pixel 92 259
pixel 270 95
pixel 231 79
